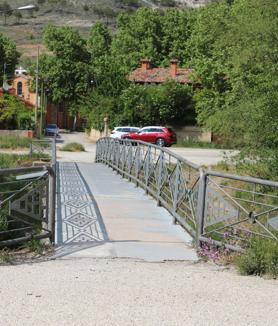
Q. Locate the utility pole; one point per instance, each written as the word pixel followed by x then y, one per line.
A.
pixel 37 92
pixel 42 109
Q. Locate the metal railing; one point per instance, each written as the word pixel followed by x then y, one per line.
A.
pixel 213 207
pixel 44 148
pixel 27 198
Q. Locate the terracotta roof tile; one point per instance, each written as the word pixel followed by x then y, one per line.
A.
pixel 12 92
pixel 160 75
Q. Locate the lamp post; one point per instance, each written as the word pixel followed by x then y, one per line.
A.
pixel 105 120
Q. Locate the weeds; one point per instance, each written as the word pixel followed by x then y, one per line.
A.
pixel 261 258
pixel 20 160
pixel 73 147
pixel 35 245
pixel 5 257
pixel 14 142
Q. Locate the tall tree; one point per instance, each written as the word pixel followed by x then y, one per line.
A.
pixel 8 57
pixel 67 70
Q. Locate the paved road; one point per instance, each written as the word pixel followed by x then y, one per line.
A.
pixel 200 156
pixel 79 137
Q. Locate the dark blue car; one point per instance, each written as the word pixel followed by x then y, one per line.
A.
pixel 52 130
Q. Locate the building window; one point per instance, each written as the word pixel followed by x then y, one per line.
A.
pixel 19 88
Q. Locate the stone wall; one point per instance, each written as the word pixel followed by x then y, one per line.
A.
pixel 95 135
pixel 183 133
pixel 19 133
pixel 196 133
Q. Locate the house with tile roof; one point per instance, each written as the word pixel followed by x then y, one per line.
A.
pixel 145 75
pixel 20 88
pixel 55 113
pixel 148 75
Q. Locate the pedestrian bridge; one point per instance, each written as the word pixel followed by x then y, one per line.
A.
pixel 100 214
pixel 133 200
pixel 142 201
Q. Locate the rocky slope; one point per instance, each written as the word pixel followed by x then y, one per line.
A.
pixel 26 27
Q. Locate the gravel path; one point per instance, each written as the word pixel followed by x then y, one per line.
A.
pixel 127 292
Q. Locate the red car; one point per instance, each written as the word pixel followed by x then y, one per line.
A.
pixel 161 136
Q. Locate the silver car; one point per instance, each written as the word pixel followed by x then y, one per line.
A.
pixel 118 132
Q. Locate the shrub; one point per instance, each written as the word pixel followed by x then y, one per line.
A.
pixel 73 147
pixel 260 258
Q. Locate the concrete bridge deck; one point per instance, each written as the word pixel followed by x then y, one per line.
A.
pixel 99 214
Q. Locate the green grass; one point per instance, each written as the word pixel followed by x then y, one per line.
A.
pixel 36 246
pixel 192 143
pixel 73 147
pixel 19 160
pixel 14 142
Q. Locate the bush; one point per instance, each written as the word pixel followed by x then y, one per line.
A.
pixel 73 147
pixel 260 258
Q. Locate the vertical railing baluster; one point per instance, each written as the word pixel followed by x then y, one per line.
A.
pixel 201 206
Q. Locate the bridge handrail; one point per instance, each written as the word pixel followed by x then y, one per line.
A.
pixel 208 204
pixel 28 199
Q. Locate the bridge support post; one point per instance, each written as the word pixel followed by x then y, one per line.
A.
pixel 201 207
pixel 52 202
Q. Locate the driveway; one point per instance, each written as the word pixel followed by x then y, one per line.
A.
pixel 76 137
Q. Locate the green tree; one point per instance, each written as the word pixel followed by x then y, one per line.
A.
pixel 138 36
pixel 67 70
pixel 13 114
pixel 169 103
pixel 99 42
pixel 176 30
pixel 8 56
pixel 236 60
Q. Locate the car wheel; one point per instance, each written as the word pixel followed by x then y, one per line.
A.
pixel 160 142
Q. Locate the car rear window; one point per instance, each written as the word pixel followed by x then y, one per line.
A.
pixel 171 131
pixel 157 130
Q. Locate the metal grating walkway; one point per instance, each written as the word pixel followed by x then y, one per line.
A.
pixel 78 219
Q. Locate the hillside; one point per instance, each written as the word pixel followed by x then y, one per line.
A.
pixel 25 27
